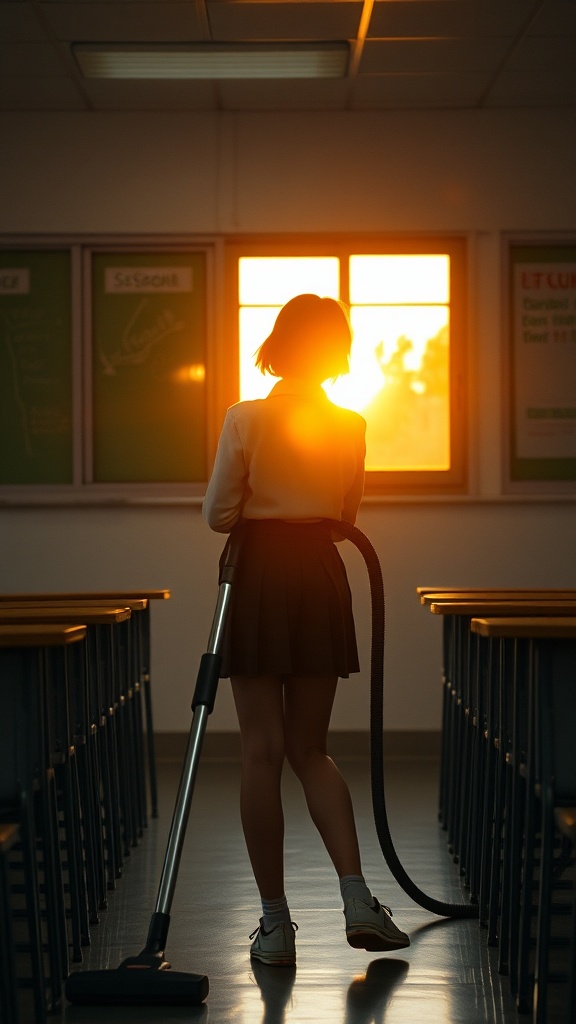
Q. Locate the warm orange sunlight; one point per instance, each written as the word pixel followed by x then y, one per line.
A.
pixel 195 374
pixel 272 280
pixel 399 364
pixel 398 280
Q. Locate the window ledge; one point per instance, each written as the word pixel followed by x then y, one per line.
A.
pixel 50 498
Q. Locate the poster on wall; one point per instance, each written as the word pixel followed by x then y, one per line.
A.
pixel 542 361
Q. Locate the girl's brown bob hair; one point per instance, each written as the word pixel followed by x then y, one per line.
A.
pixel 311 338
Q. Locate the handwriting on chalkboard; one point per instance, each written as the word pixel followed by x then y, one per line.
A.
pixel 140 337
pixel 28 335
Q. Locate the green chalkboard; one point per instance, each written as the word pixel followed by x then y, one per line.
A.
pixel 148 367
pixel 35 367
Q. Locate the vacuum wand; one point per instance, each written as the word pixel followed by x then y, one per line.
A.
pixel 202 706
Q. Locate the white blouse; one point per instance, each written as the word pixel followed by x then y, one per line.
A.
pixel 293 455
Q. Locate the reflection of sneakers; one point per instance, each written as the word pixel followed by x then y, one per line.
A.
pixel 276 946
pixel 372 928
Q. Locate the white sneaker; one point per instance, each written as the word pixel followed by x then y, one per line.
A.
pixel 372 928
pixel 276 946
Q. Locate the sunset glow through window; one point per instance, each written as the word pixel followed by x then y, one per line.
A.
pixel 400 357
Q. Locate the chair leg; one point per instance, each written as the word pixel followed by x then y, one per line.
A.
pixel 110 822
pixel 53 888
pixel 83 916
pixel 572 967
pixel 515 880
pixel 524 988
pixel 487 832
pixel 507 867
pixel 88 830
pixel 8 977
pixel 544 913
pixel 496 854
pixel 73 855
pixel 144 658
pixel 33 913
pixel 140 761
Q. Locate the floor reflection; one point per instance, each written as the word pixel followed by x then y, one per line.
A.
pixel 447 975
pixel 275 984
pixel 369 994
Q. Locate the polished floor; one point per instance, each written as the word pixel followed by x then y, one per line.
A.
pixel 447 976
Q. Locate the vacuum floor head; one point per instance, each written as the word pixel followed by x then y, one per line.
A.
pixel 134 986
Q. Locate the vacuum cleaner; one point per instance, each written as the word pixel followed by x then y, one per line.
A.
pixel 146 979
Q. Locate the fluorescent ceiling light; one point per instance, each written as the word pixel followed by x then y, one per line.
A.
pixel 212 60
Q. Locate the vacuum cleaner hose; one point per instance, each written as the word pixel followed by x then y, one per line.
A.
pixel 453 910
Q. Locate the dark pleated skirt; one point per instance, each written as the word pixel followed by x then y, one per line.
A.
pixel 290 610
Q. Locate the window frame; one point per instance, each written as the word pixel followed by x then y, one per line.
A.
pixel 378 482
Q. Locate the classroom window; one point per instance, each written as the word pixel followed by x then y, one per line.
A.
pixel 406 365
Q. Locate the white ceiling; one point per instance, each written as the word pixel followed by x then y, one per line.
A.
pixel 405 54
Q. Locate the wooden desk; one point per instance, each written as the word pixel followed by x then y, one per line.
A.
pixel 119 596
pixel 527 627
pixel 79 614
pixel 141 635
pixel 428 595
pixel 496 606
pixel 475 723
pixel 504 651
pixel 542 781
pixel 40 634
pixel 26 785
pixel 94 711
pixel 132 604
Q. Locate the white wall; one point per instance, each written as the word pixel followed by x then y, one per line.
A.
pixel 481 173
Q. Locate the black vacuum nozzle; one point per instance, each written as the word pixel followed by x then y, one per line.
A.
pixel 136 986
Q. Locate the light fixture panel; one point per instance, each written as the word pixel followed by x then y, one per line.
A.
pixel 212 61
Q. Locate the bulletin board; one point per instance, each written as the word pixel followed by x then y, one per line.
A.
pixel 36 408
pixel 542 365
pixel 148 371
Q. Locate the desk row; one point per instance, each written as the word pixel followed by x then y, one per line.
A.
pixel 76 771
pixel 508 778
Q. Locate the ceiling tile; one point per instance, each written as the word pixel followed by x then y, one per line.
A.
pixel 543 53
pixel 19 23
pixel 39 94
pixel 448 17
pixel 555 17
pixel 431 55
pixel 292 95
pixel 151 95
pixel 231 20
pixel 29 59
pixel 527 88
pixel 425 92
pixel 124 21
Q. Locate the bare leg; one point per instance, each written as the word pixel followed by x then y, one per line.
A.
pixel 308 706
pixel 259 705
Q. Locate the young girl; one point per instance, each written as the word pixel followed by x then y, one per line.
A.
pixel 286 465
